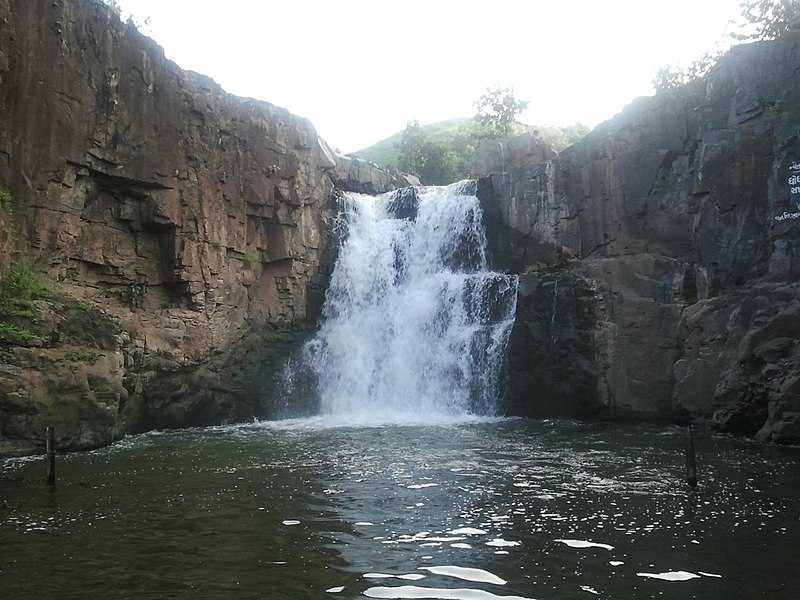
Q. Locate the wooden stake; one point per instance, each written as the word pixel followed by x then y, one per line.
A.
pixel 51 455
pixel 691 460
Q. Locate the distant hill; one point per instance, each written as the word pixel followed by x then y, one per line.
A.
pixel 386 152
pixel 459 139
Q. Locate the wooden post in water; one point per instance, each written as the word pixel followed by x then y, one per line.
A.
pixel 51 455
pixel 691 460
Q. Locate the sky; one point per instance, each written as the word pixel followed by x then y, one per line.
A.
pixel 360 70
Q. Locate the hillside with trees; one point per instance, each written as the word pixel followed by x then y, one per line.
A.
pixel 442 152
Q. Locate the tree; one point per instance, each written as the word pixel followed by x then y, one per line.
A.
pixel 438 164
pixel 768 19
pixel 671 77
pixel 411 159
pixel 498 109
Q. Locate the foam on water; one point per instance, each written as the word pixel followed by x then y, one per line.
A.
pixel 407 576
pixel 585 544
pixel 414 326
pixel 412 591
pixel 465 573
pixel 671 575
pixel 467 531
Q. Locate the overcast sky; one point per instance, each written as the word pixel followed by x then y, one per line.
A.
pixel 361 69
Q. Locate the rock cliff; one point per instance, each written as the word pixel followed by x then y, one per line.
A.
pixel 660 256
pixel 182 234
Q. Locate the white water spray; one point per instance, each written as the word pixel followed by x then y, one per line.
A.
pixel 414 327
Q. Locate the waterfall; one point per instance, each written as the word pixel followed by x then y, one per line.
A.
pixel 414 326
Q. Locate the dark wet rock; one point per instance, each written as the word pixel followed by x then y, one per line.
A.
pixel 404 204
pixel 554 330
pixel 678 213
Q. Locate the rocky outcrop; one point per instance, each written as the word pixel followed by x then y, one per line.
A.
pixel 358 175
pixel 192 223
pixel 660 255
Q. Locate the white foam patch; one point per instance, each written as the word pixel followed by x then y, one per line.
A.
pixel 465 573
pixel 671 575
pixel 335 590
pixel 364 523
pixel 704 574
pixel 291 522
pixel 501 543
pixel 616 563
pixel 358 420
pixel 412 591
pixel 467 531
pixel 460 545
pixel 420 486
pixel 406 576
pixel 591 590
pixel 585 544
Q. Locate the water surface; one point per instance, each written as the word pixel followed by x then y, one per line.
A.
pixel 546 510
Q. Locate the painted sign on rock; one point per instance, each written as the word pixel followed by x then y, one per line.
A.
pixel 793 180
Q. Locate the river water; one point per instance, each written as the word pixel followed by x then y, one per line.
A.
pixel 471 510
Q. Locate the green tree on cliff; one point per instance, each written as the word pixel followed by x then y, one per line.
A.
pixel 498 109
pixel 439 164
pixel 760 20
pixel 768 19
pixel 671 77
pixel 431 161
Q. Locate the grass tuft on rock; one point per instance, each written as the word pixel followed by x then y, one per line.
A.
pixel 19 291
pixel 5 197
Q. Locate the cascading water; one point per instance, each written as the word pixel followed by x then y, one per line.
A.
pixel 414 326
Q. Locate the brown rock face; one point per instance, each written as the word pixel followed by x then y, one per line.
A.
pixel 660 255
pixel 196 222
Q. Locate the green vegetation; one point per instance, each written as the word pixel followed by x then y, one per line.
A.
pixel 20 288
pixel 18 312
pixel 16 336
pixel 250 260
pixel 760 20
pixel 5 197
pixel 443 152
pixel 671 77
pixel 498 109
pixel 768 19
pixel 85 357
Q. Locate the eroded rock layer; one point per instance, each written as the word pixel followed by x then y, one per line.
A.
pixel 660 256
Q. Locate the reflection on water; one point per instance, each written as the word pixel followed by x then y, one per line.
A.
pixel 481 510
